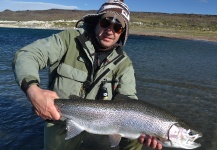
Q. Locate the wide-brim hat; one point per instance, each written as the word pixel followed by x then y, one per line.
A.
pixel 113 8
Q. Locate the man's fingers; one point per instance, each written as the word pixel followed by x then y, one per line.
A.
pixel 141 139
pixel 40 115
pixel 55 115
pixel 52 110
pixel 51 113
pixel 154 143
pixel 148 141
pixel 159 146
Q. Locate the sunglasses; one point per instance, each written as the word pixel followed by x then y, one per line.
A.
pixel 106 22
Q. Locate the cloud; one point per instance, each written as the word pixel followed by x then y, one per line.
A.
pixel 21 5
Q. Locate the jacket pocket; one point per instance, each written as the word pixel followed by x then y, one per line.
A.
pixel 68 71
pixel 69 81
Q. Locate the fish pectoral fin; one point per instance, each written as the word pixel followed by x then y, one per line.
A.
pixel 72 128
pixel 114 139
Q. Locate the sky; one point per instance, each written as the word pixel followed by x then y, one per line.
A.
pixel 208 7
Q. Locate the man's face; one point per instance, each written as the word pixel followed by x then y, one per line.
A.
pixel 108 32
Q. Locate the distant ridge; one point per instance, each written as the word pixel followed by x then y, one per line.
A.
pixel 43 15
pixel 60 14
pixel 145 23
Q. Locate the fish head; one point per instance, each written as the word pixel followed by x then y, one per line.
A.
pixel 180 137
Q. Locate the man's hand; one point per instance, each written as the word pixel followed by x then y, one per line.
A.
pixel 43 102
pixel 150 141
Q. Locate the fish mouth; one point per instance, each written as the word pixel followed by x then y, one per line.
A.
pixel 192 139
pixel 179 137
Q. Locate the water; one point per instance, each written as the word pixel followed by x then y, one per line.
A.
pixel 179 75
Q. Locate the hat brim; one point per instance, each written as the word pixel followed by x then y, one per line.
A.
pixel 114 15
pixel 94 18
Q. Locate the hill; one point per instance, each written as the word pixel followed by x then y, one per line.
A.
pixel 194 26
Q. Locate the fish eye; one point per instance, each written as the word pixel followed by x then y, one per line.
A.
pixel 190 132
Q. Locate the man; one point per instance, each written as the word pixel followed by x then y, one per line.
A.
pixel 87 62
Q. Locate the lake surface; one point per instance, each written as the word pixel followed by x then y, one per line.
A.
pixel 178 75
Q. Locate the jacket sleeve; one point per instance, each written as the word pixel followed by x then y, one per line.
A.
pixel 127 83
pixel 36 56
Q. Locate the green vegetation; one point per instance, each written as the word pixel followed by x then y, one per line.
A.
pixel 176 21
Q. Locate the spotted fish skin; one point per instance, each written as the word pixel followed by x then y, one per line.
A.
pixel 118 118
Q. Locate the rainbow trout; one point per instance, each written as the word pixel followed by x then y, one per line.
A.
pixel 126 118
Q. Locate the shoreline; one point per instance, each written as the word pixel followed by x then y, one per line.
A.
pixel 178 34
pixel 160 32
pixel 176 37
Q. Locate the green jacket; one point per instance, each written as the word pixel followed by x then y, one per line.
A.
pixel 70 56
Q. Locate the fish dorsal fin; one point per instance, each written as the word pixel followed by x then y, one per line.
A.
pixel 75 97
pixel 72 129
pixel 114 139
pixel 121 97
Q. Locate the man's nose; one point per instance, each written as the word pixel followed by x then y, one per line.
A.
pixel 110 27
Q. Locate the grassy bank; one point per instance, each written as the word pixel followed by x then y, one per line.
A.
pixel 173 33
pixel 190 26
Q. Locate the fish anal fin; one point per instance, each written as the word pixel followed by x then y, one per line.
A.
pixel 114 139
pixel 72 129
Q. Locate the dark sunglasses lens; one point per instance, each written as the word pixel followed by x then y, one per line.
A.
pixel 118 28
pixel 104 23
